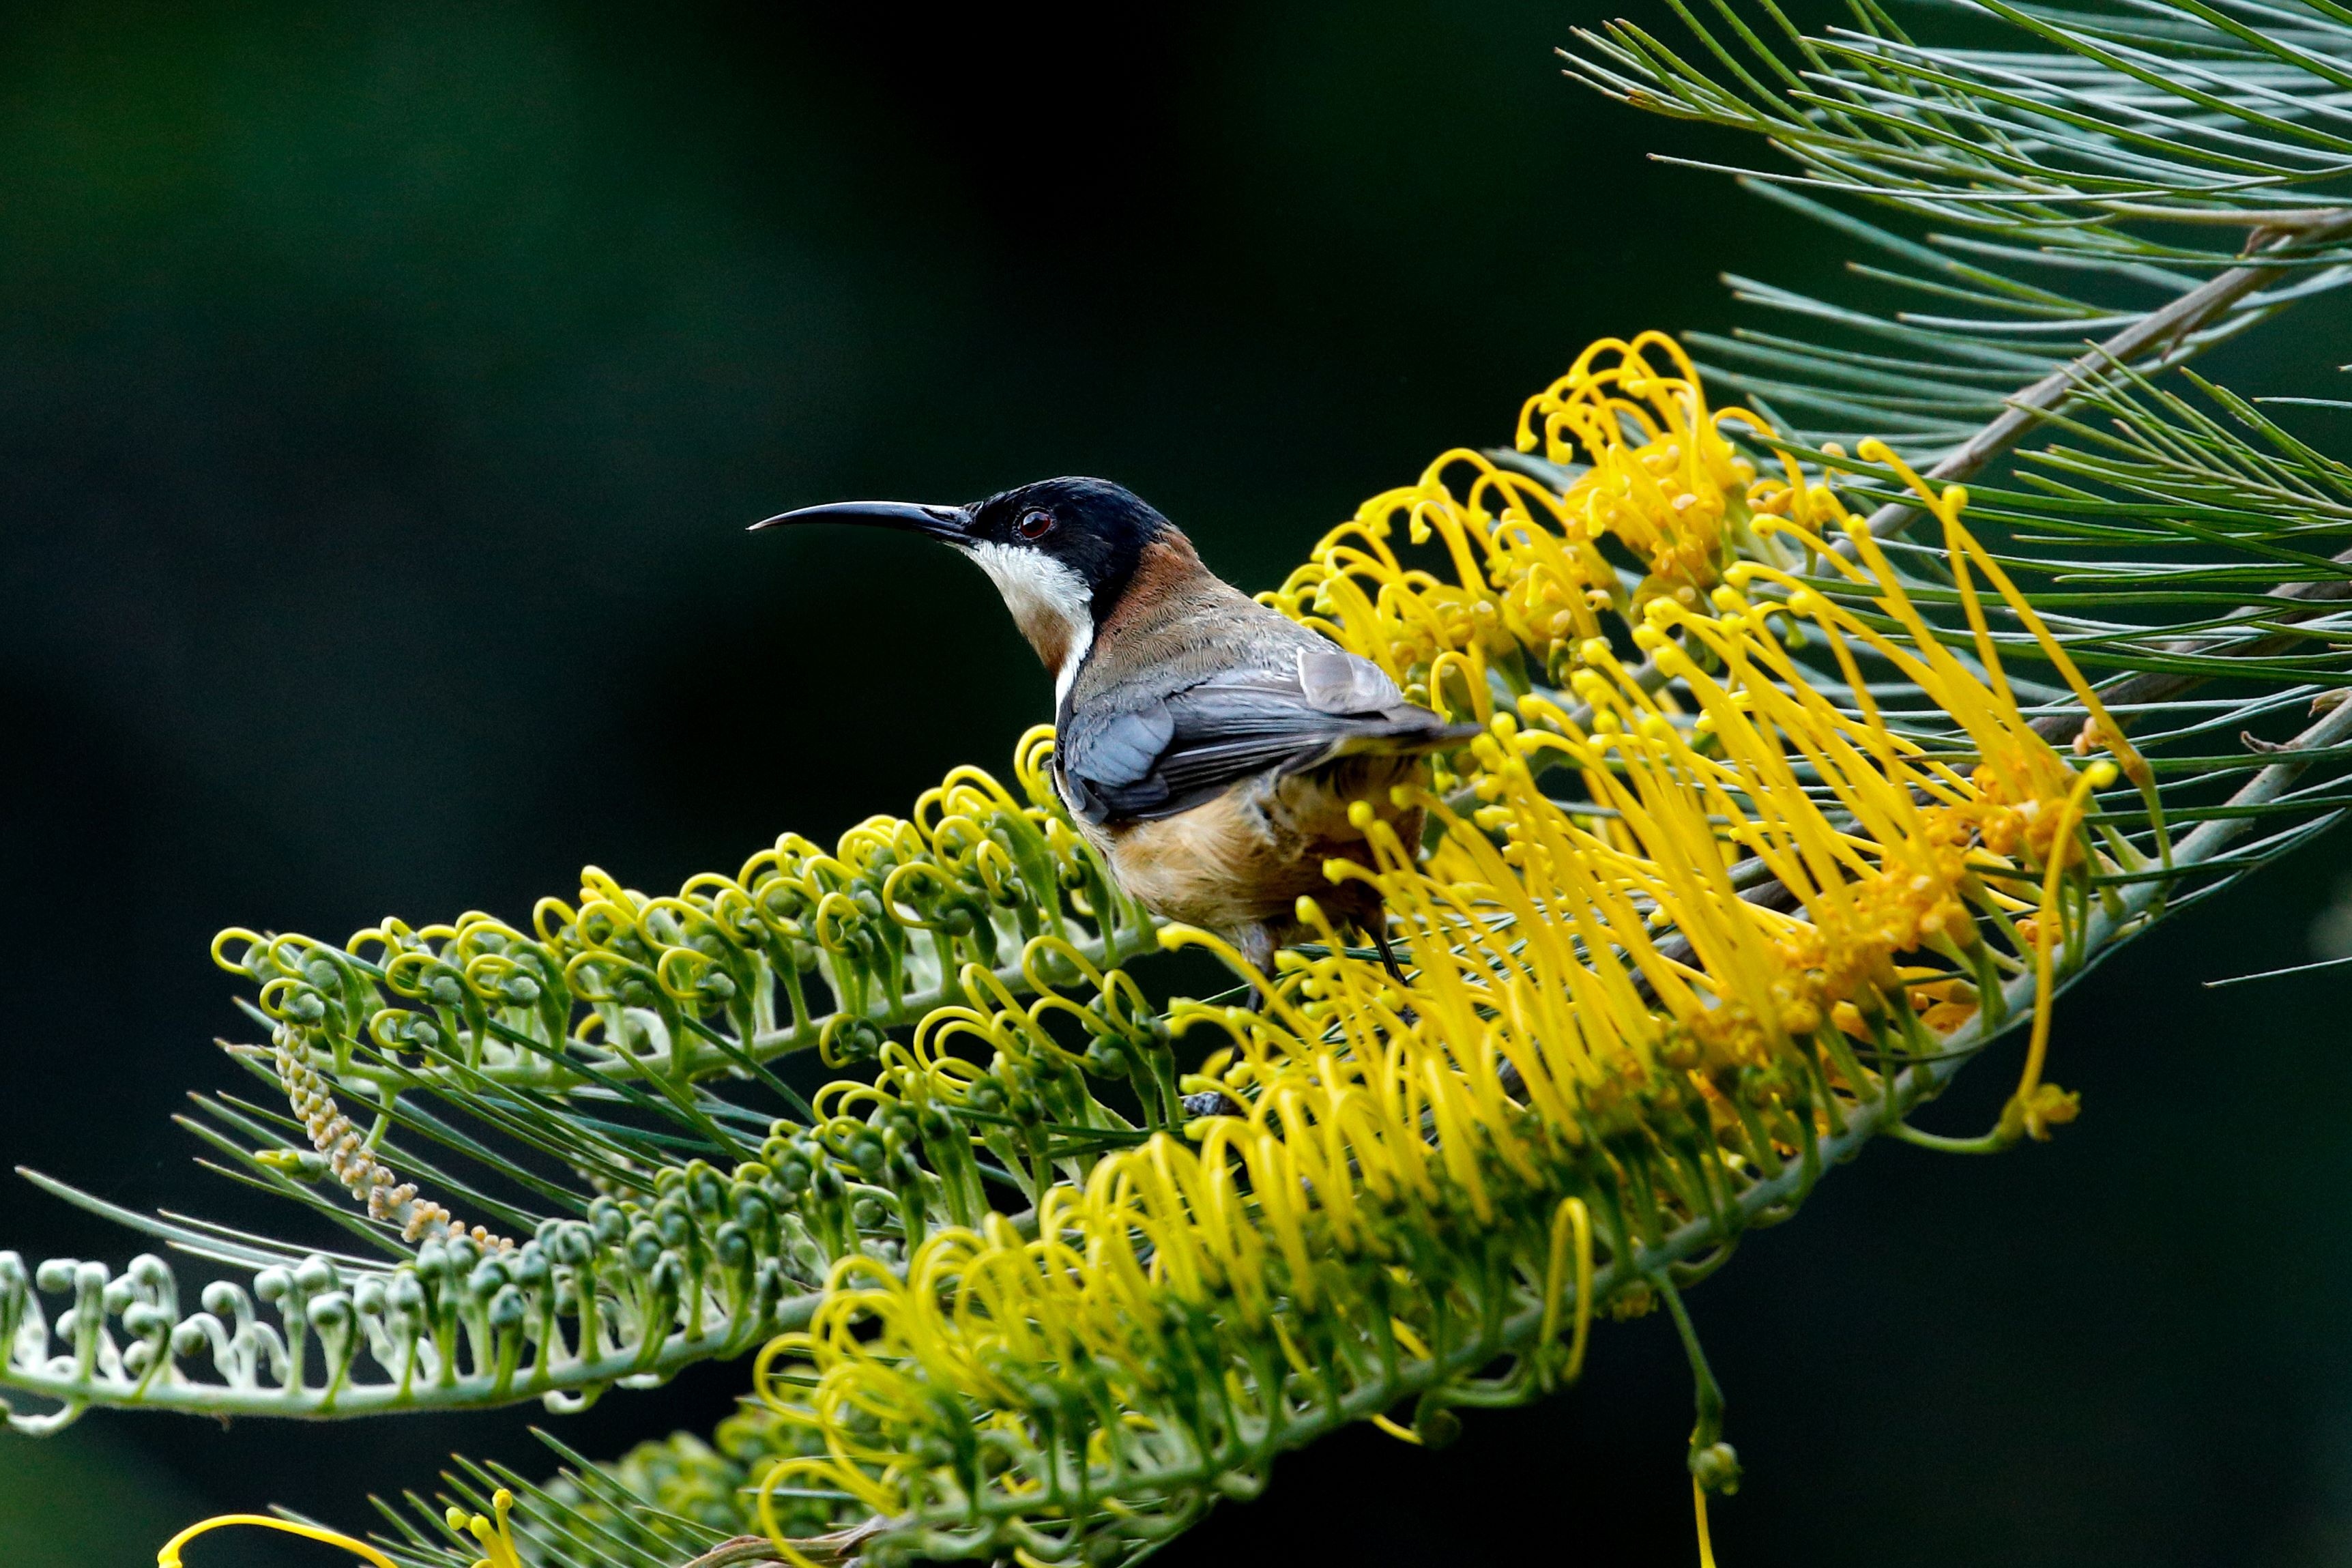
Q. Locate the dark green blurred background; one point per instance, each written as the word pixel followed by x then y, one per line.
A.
pixel 382 391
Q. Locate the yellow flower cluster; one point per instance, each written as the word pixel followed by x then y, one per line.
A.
pixel 1536 572
pixel 1695 904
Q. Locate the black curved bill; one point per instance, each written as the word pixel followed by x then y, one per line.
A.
pixel 948 522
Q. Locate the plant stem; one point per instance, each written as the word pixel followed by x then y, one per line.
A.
pixel 2160 329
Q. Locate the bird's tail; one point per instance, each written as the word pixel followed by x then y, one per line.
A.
pixel 1405 738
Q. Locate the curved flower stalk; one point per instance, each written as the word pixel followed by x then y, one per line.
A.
pixel 629 1295
pixel 1415 1182
pixel 800 949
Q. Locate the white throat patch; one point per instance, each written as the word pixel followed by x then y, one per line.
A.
pixel 1050 602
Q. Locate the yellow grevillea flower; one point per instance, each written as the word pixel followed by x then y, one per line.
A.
pixel 1531 580
pixel 1602 1041
pixel 493 1535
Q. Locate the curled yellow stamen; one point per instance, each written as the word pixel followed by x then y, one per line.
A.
pixel 1570 1221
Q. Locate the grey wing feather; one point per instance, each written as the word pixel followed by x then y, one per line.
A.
pixel 1178 752
pixel 1122 749
pixel 1336 681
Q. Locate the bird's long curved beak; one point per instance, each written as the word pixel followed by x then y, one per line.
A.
pixel 951 523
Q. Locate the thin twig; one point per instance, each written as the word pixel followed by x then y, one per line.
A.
pixel 743 1551
pixel 2163 685
pixel 2160 329
pixel 839 1546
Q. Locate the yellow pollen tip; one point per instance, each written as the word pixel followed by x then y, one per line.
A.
pixel 2101 773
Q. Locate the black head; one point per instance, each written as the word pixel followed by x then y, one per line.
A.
pixel 1060 550
pixel 1095 529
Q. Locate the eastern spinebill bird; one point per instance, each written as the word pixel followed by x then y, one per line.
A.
pixel 1207 746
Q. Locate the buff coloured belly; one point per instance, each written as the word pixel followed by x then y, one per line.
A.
pixel 1238 864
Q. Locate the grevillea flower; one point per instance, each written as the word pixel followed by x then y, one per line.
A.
pixel 492 1532
pixel 1690 902
pixel 1531 580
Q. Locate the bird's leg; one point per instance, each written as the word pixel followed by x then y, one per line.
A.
pixel 1380 935
pixel 1256 944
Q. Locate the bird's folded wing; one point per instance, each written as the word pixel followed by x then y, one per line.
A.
pixel 1172 753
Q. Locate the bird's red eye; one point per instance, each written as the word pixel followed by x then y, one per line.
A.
pixel 1034 524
